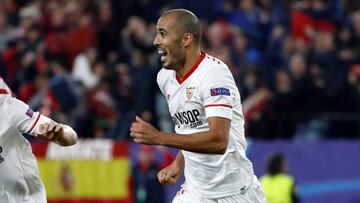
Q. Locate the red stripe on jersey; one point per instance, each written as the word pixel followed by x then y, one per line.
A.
pixel 37 119
pixel 180 81
pixel 3 91
pixel 223 105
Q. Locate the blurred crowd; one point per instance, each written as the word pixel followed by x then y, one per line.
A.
pixel 91 63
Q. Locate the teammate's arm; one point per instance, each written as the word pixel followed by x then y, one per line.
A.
pixel 38 125
pixel 213 141
pixel 59 133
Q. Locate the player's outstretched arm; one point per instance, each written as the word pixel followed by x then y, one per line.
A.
pixel 59 133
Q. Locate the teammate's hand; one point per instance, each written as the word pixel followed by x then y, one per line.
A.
pixel 169 175
pixel 49 130
pixel 143 132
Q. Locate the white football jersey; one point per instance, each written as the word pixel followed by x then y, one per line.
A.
pixel 209 90
pixel 19 175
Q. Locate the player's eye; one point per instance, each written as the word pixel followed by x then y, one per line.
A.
pixel 162 34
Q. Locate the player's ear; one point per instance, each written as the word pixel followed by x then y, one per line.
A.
pixel 187 39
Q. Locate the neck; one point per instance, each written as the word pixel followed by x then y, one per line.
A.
pixel 191 58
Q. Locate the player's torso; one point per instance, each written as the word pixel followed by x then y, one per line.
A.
pixel 11 172
pixel 8 146
pixel 187 101
pixel 4 141
pixel 186 104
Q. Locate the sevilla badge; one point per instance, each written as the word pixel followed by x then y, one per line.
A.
pixel 189 92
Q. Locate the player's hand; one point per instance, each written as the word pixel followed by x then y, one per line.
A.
pixel 49 130
pixel 169 175
pixel 143 132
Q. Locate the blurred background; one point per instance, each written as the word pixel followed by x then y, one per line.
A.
pixel 91 64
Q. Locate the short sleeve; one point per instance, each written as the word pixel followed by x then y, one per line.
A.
pixel 23 117
pixel 218 93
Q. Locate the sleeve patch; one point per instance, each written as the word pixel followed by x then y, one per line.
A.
pixel 29 113
pixel 219 91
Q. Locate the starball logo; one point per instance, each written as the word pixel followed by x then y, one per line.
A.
pixel 1 158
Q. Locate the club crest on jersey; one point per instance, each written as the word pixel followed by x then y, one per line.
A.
pixel 29 113
pixel 219 91
pixel 189 92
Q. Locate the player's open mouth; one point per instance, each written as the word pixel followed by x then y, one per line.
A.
pixel 162 53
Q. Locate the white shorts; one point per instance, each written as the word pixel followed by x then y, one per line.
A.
pixel 254 194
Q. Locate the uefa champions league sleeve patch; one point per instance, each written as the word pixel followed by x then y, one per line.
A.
pixel 219 91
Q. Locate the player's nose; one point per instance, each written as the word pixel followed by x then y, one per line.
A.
pixel 156 41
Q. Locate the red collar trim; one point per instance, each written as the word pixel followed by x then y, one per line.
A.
pixel 3 91
pixel 180 81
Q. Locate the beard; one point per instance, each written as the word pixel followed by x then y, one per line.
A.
pixel 176 59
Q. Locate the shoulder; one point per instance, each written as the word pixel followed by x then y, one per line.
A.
pixel 288 177
pixel 215 66
pixel 215 70
pixel 12 109
pixel 13 105
pixel 285 178
pixel 163 75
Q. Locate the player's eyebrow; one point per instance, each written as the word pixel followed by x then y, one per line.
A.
pixel 162 30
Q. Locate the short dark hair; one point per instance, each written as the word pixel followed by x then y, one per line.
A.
pixel 187 22
pixel 275 164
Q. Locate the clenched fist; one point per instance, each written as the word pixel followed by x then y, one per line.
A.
pixel 50 130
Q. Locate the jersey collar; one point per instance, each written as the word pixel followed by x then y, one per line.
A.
pixel 180 81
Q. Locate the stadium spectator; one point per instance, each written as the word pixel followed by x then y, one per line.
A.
pixel 147 188
pixel 279 186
